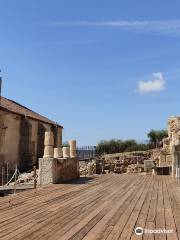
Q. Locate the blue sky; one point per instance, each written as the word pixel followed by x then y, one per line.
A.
pixel 102 68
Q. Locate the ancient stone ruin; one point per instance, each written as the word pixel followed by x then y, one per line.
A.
pixel 58 164
pixel 171 146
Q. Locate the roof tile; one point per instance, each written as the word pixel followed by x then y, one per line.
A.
pixel 17 108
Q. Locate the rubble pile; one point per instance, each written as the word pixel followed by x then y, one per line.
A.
pixel 87 168
pixel 27 177
pixel 128 162
pixel 135 168
pixel 119 167
pixel 131 162
pixel 128 157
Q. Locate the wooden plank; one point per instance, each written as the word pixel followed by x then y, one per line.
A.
pixel 160 212
pixel 169 218
pixel 101 225
pixel 83 227
pixel 141 221
pixel 125 225
pixel 107 207
pixel 47 219
pixel 174 199
pixel 150 221
pixel 83 212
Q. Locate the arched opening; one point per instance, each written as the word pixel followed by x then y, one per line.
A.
pixel 40 141
pixel 2 138
pixel 54 129
pixel 2 142
pixel 25 145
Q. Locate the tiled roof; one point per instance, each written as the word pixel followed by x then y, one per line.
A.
pixel 19 109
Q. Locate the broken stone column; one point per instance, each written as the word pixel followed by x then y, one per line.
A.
pixel 48 145
pixel 66 152
pixel 58 152
pixel 72 144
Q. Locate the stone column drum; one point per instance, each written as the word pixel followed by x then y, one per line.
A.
pixel 72 144
pixel 48 145
pixel 58 152
pixel 66 152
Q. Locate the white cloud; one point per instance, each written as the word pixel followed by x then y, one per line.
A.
pixel 163 26
pixel 155 85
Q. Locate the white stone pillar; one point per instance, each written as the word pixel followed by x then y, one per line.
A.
pixel 58 152
pixel 72 144
pixel 66 152
pixel 48 145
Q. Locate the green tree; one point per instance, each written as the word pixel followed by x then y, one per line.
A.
pixel 118 146
pixel 156 136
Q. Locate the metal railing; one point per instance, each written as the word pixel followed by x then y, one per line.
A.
pixel 86 152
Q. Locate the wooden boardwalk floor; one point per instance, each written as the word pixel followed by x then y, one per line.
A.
pixel 104 207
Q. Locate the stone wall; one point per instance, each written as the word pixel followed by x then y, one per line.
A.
pixel 9 149
pixel 162 157
pixel 172 142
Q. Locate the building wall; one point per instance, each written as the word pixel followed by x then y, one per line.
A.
pixel 10 139
pixel 10 148
pixel 2 136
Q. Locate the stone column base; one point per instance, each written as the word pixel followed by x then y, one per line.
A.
pixel 57 170
pixel 47 171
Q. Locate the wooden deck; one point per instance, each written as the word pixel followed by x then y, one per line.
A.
pixel 105 207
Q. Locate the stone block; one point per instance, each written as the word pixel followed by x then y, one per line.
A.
pixel 72 144
pixel 49 139
pixel 48 152
pixel 47 171
pixel 58 152
pixel 57 170
pixel 148 165
pixel 66 152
